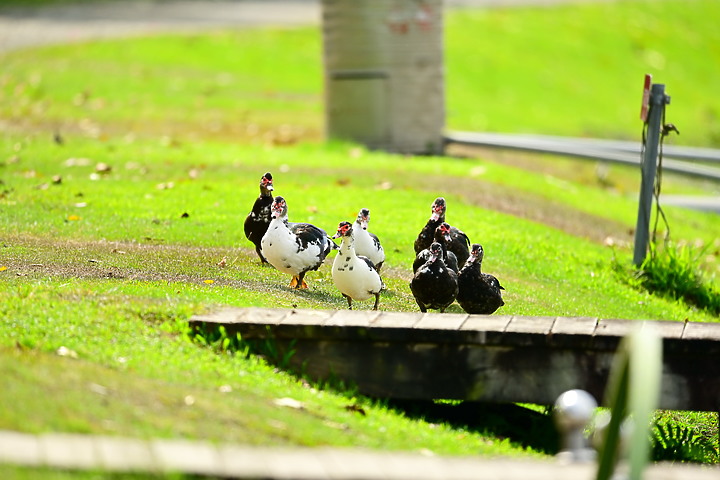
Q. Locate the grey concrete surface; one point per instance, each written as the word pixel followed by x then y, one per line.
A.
pixel 22 26
pixel 116 454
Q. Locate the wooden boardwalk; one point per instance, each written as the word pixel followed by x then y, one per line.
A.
pixel 475 357
pixel 409 355
pixel 198 458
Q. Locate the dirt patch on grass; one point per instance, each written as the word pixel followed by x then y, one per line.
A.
pixel 123 261
pixel 529 206
pixel 547 212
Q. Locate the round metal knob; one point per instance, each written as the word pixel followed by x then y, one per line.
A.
pixel 573 412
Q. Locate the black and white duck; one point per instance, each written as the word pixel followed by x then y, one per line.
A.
pixel 442 236
pixel 294 248
pixel 478 292
pixel 460 242
pixel 367 244
pixel 356 276
pixel 257 221
pixel 434 285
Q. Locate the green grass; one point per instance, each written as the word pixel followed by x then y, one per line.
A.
pixel 106 264
pixel 136 374
pixel 672 271
pixel 578 70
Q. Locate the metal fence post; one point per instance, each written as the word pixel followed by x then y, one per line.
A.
pixel 658 100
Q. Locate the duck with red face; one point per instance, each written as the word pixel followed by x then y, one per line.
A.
pixel 354 275
pixel 442 236
pixel 294 248
pixel 460 242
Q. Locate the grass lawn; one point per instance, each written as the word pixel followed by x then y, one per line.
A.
pixel 127 168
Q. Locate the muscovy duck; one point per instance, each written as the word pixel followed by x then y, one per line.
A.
pixel 434 285
pixel 442 236
pixel 294 248
pixel 367 244
pixel 460 242
pixel 478 292
pixel 354 275
pixel 257 221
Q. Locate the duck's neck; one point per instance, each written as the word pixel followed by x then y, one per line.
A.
pixel 443 247
pixel 280 219
pixel 347 247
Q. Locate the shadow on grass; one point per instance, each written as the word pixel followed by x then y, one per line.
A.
pixel 520 425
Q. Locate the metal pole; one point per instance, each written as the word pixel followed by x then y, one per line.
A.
pixel 658 99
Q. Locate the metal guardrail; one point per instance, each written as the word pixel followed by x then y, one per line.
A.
pixel 690 161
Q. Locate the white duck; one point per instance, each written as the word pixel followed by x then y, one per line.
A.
pixel 355 276
pixel 294 248
pixel 367 244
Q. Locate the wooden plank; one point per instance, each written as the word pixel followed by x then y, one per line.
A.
pixel 303 323
pixel 529 324
pixel 447 321
pixel 478 357
pixel 395 327
pixel 267 316
pixel 251 322
pixel 227 315
pixel 397 320
pixel 574 326
pixel 524 330
pixel 702 331
pixel 667 329
pixel 487 323
pixel 572 332
pixel 614 327
pixel 352 318
pixel 609 332
pixel 436 328
pixel 484 329
pixel 306 317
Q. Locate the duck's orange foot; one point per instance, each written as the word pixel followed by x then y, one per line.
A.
pixel 297 283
